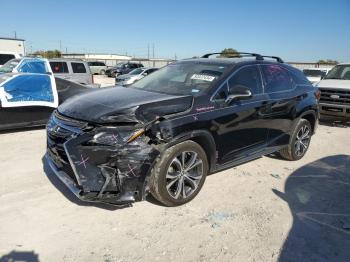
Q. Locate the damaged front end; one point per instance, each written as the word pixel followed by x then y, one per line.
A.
pixel 101 163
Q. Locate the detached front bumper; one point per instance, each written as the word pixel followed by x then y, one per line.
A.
pixel 113 174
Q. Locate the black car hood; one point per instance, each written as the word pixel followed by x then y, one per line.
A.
pixel 126 105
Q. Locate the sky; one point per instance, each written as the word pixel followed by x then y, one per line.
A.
pixel 296 30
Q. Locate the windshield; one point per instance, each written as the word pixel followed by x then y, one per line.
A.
pixel 136 71
pixel 9 66
pixel 341 72
pixel 314 73
pixel 184 78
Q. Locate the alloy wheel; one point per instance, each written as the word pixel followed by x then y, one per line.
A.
pixel 302 140
pixel 184 175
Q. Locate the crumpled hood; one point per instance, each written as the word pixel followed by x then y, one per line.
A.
pixel 126 105
pixel 334 83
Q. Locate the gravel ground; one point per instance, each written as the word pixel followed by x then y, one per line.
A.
pixel 104 81
pixel 236 216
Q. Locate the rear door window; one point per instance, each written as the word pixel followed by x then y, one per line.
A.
pixel 59 67
pixel 78 68
pixel 276 79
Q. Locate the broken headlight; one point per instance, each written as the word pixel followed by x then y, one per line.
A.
pixel 114 137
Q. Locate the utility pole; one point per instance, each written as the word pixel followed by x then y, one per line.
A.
pixel 60 46
pixel 15 34
pixel 153 55
pixel 66 50
pixel 148 51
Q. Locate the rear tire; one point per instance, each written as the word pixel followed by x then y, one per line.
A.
pixel 299 142
pixel 179 174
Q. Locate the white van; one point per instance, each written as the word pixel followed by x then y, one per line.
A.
pixel 75 70
pixel 7 56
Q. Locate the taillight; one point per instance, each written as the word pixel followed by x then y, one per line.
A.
pixel 318 94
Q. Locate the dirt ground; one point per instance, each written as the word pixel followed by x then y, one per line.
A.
pixel 104 81
pixel 236 217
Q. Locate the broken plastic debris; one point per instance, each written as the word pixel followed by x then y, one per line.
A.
pixel 275 176
pixel 217 218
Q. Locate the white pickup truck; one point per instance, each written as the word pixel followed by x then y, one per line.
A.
pixel 335 93
pixel 314 75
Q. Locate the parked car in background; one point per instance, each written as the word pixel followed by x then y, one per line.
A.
pixel 122 68
pixel 335 93
pixel 165 133
pixel 314 75
pixel 7 56
pixel 75 70
pixel 29 93
pixel 134 76
pixel 97 68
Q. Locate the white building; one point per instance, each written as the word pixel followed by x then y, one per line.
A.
pixel 112 59
pixel 108 59
pixel 14 45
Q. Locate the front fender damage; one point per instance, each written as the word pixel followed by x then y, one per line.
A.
pixel 110 169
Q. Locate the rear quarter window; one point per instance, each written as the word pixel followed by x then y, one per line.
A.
pixel 299 77
pixel 78 68
pixel 276 79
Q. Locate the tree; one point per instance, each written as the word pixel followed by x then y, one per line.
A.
pixel 328 61
pixel 229 52
pixel 48 53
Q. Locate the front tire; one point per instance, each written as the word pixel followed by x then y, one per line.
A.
pixel 179 174
pixel 299 142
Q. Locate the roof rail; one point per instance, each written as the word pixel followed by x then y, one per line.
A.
pixel 278 59
pixel 239 54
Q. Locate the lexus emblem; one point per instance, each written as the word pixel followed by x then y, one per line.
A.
pixel 55 129
pixel 334 96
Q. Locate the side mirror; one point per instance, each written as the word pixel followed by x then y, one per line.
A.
pixel 238 92
pixel 144 74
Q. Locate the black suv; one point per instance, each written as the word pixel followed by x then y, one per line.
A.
pixel 122 69
pixel 165 133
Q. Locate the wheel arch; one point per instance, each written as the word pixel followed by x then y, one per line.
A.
pixel 311 116
pixel 202 137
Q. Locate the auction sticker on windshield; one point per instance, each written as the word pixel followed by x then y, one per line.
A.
pixel 203 77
